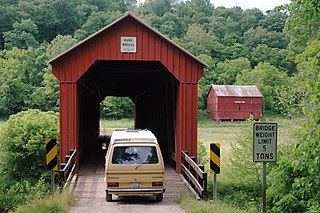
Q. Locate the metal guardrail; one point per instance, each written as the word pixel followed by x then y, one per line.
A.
pixel 194 174
pixel 67 170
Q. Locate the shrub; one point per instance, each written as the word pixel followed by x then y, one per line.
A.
pixel 23 144
pixel 242 194
pixel 12 195
pixel 203 158
pixel 242 164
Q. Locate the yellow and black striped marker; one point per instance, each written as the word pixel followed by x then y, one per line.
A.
pixel 51 154
pixel 215 158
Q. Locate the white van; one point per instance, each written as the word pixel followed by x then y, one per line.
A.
pixel 134 165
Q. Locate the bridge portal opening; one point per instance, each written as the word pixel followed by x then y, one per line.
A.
pixel 148 84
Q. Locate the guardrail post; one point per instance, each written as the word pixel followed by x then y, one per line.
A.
pixel 204 182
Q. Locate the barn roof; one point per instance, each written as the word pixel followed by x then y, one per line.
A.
pixel 236 91
pixel 126 16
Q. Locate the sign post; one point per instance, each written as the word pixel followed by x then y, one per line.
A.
pixel 265 150
pixel 215 166
pixel 51 159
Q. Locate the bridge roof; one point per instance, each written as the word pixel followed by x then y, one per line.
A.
pixel 126 16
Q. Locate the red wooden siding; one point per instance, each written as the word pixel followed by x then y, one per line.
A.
pixel 70 66
pixel 106 46
pixel 222 105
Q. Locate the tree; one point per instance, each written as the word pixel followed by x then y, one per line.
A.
pixel 95 22
pixel 222 26
pixel 228 70
pixel 250 19
pixel 207 80
pixel 158 7
pixel 290 98
pixel 283 59
pixel 117 107
pixel 198 41
pixel 255 36
pixel 13 88
pixel 170 25
pixel 203 6
pixel 21 73
pixel 59 44
pixel 22 36
pixel 267 78
pixel 303 23
pixel 9 14
pixel 52 17
pixel 46 94
pixel 274 21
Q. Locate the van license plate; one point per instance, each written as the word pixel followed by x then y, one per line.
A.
pixel 135 185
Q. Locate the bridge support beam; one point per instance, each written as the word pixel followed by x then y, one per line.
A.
pixel 69 119
pixel 187 121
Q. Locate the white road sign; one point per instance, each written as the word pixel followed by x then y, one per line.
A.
pixel 265 142
pixel 128 44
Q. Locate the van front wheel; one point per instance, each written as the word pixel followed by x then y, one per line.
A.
pixel 159 197
pixel 108 197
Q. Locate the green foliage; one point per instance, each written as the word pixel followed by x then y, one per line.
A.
pixel 59 44
pixel 22 36
pixel 241 160
pixel 202 158
pixel 228 70
pixel 289 100
pixel 296 182
pixel 192 205
pixel 306 160
pixel 117 107
pixel 23 143
pixel 281 178
pixel 95 22
pixel 267 78
pixel 283 59
pixel 21 192
pixel 303 23
pixel 58 203
pixel 242 194
pixel 21 73
pixel 255 36
pixel 158 7
pixel 197 41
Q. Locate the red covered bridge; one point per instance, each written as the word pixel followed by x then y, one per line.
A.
pixel 128 58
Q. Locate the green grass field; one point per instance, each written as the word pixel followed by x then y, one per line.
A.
pixel 226 133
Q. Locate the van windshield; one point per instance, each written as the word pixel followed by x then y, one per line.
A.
pixel 135 155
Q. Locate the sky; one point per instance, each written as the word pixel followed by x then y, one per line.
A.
pixel 263 5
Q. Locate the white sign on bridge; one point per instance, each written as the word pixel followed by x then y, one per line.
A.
pixel 128 44
pixel 265 142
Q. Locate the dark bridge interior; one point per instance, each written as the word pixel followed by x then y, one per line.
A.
pixel 148 84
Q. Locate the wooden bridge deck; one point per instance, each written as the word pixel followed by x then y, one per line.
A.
pixel 90 193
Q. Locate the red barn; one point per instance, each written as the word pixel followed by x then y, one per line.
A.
pixel 231 102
